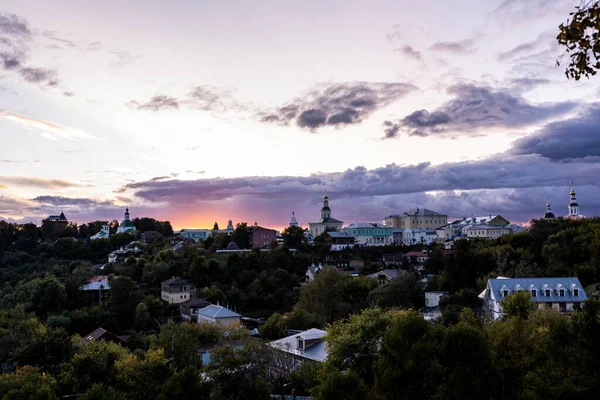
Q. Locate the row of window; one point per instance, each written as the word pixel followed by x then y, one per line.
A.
pixel 547 293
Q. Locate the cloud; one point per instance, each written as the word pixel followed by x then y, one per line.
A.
pixel 410 52
pixel 522 85
pixel 210 98
pixel 525 48
pixel 94 46
pixel 574 138
pixel 156 103
pixel 15 38
pixel 23 181
pixel 59 201
pixel 337 104
pixel 52 35
pixel 122 58
pixel 68 94
pixel 473 109
pixel 466 46
pixel 43 76
pixel 49 130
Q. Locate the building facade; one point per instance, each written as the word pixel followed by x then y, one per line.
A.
pixel 306 345
pixel 218 314
pixel 370 234
pixel 261 237
pixel 176 290
pixel 338 241
pixel 195 234
pixel 560 294
pixel 326 223
pixel 417 219
pixel 489 232
pixel 574 206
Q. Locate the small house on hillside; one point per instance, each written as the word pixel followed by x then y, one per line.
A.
pixel 177 290
pixel 385 275
pixel 105 336
pixel 97 289
pixel 218 314
pixel 307 345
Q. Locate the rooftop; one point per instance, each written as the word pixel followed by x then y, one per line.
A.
pixel 216 312
pixel 316 351
pixel 541 285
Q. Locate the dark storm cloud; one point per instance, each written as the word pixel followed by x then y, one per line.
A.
pixel 156 103
pixel 409 52
pixel 574 138
pixel 337 104
pixel 474 108
pixel 59 201
pixel 466 46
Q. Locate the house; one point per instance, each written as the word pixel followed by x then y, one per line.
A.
pixel 56 224
pixel 370 233
pixel 340 262
pixel 417 219
pixel 190 307
pixel 417 257
pixel 312 271
pixel 98 267
pixel 122 254
pixel 409 237
pixel 105 336
pixel 459 228
pixel 306 345
pixel 261 237
pixel 338 240
pixel 485 231
pixel 218 314
pixel 432 310
pixel 176 290
pixel 392 258
pixel 560 294
pixel 97 289
pixel 385 275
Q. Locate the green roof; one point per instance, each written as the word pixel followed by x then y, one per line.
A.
pixel 127 223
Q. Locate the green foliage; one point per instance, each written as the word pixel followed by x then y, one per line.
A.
pixel 519 305
pixel 581 38
pixel 27 383
pixel 142 378
pixel 185 385
pixel 101 392
pixel 343 385
pixel 273 328
pixel 402 292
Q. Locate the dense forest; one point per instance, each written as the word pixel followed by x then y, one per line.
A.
pixel 379 346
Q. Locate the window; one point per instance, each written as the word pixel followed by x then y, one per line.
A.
pixel 505 293
pixel 301 344
pixel 548 292
pixel 533 293
pixel 576 292
pixel 561 292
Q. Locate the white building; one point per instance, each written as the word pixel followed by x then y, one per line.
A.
pixel 560 294
pixel 432 310
pixel 126 226
pixel 574 206
pixel 103 234
pixel 326 223
pixel 176 290
pixel 487 231
pixel 459 228
pixel 293 221
pixel 195 234
pixel 370 233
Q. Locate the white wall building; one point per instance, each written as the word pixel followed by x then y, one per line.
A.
pixel 370 234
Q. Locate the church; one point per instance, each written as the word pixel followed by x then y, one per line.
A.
pixel 126 225
pixel 326 223
pixel 573 208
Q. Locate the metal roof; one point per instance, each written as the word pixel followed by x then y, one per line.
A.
pixel 216 312
pixel 540 284
pixel 317 351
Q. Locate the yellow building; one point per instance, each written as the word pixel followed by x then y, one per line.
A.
pixel 417 219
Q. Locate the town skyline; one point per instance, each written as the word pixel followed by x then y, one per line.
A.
pixel 458 108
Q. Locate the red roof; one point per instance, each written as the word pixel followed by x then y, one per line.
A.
pixel 416 254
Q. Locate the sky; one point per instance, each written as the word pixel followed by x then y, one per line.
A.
pixel 196 111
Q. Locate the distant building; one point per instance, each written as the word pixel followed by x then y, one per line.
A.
pixel 55 224
pixel 460 228
pixel 370 234
pixel 560 294
pixel 190 307
pixel 409 237
pixel 218 314
pixel 195 234
pixel 102 334
pixel 97 289
pixel 417 219
pixel 293 221
pixel 103 234
pixel 417 257
pixel 485 231
pixel 574 207
pixel 385 275
pixel 549 215
pixel 122 254
pixel 126 226
pixel 307 345
pixel 432 310
pixel 177 290
pixel 261 237
pixel 337 241
pixel 326 223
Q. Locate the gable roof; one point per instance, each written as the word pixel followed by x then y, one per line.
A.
pixel 176 281
pixel 103 334
pixel 390 273
pixel 99 282
pixel 316 351
pixel 217 312
pixel 540 284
